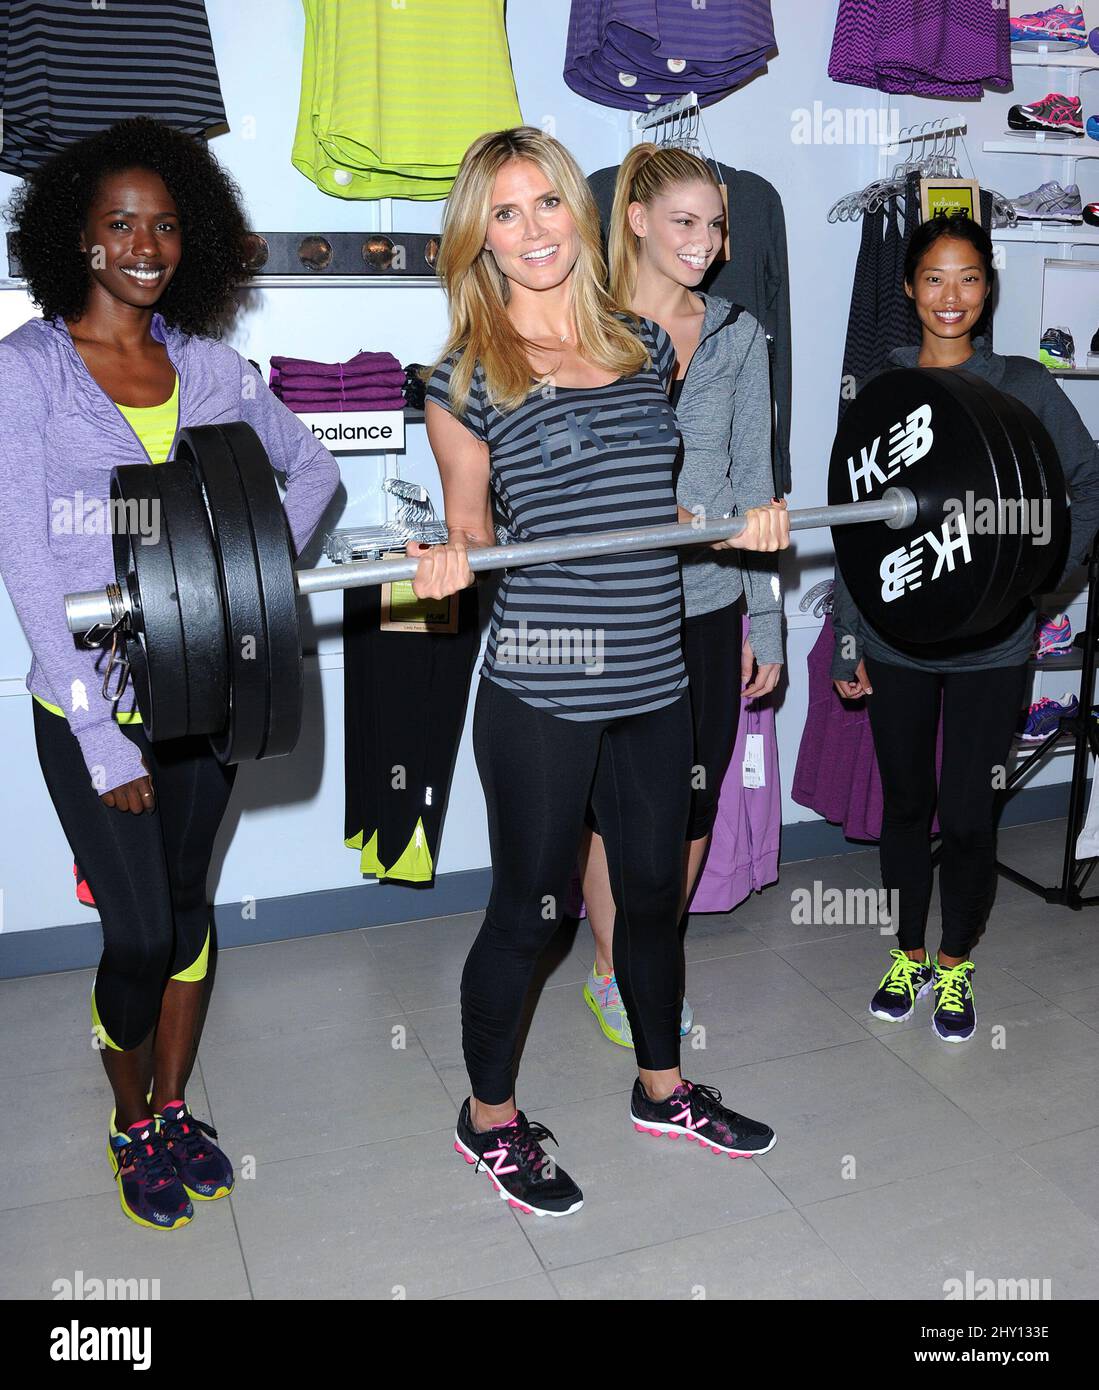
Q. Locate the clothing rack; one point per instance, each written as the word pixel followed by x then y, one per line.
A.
pixel 1083 728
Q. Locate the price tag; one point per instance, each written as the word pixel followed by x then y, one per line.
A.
pixel 753 761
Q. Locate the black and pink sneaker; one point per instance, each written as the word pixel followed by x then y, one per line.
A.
pixel 697 1113
pixel 518 1167
pixel 202 1168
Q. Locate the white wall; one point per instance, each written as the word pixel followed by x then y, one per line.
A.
pixel 284 835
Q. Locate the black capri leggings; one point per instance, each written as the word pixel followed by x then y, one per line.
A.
pixel 147 873
pixel 711 653
pixel 538 771
pixel 979 710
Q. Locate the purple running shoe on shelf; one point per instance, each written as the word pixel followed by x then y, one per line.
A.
pixel 1052 636
pixel 1045 715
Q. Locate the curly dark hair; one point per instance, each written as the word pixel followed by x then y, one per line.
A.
pixel 49 211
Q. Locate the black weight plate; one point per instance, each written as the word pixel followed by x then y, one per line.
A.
pixel 191 544
pixel 1046 561
pixel 203 449
pixel 877 447
pixel 1002 512
pixel 275 560
pixel 142 553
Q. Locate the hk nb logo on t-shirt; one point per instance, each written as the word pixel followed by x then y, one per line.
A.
pixel 605 427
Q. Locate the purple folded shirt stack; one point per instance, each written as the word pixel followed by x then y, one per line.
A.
pixel 637 54
pixel 367 381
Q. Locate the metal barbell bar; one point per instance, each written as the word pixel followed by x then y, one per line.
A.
pixel 897 508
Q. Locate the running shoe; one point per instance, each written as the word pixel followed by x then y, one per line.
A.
pixel 83 892
pixel 517 1166
pixel 1093 127
pixel 1093 354
pixel 1044 717
pixel 1049 202
pixel 1057 350
pixel 905 982
pixel 149 1189
pixel 200 1165
pixel 954 1017
pixel 1091 214
pixel 1052 636
pixel 1093 40
pixel 1055 23
pixel 602 997
pixel 697 1113
pixel 1054 112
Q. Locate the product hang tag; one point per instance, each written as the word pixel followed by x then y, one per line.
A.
pixel 728 255
pixel 402 611
pixel 753 761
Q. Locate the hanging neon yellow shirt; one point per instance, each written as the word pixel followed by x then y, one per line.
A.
pixel 392 94
pixel 155 426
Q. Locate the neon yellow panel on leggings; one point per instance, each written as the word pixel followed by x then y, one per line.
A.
pixel 392 94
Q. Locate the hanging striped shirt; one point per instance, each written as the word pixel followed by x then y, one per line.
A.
pixel 596 638
pixel 73 68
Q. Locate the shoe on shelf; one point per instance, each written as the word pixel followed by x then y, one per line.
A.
pixel 954 1017
pixel 1056 24
pixel 1091 214
pixel 520 1170
pixel 1052 636
pixel 1044 717
pixel 905 982
pixel 1057 350
pixel 1093 352
pixel 1093 40
pixel 1054 112
pixel 1093 127
pixel 1049 202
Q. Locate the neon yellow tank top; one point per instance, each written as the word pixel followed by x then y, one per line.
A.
pixel 393 95
pixel 155 426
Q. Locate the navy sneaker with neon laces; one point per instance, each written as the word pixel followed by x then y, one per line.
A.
pixel 520 1170
pixel 902 985
pixel 201 1166
pixel 149 1190
pixel 954 1017
pixel 697 1113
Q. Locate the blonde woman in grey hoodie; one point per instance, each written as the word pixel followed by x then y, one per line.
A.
pixel 666 228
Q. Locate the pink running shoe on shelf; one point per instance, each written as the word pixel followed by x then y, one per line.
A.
pixel 1052 636
pixel 1056 23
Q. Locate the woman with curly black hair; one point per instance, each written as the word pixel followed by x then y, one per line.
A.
pixel 131 242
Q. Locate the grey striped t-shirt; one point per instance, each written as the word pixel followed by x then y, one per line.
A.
pixel 596 638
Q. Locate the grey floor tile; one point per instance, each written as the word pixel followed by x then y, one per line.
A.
pixel 1071 1163
pixel 54 1240
pixel 404 1219
pixel 777 1256
pixel 290 986
pixel 534 1286
pixel 1023 932
pixel 68 1113
pixel 994 1218
pixel 45 1022
pixel 778 915
pixel 849 1118
pixel 328 1088
pixel 639 1190
pixel 1084 1006
pixel 1058 974
pixel 421 962
pixel 1031 1070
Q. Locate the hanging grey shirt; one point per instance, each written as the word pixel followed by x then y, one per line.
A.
pixel 724 414
pixel 1033 384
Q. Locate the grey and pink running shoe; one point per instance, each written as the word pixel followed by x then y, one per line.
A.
pixel 696 1112
pixel 1057 24
pixel 1055 112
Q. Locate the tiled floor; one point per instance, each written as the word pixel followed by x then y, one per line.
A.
pixel 332 1066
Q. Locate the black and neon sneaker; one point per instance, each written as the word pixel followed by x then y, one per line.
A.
pixel 202 1168
pixel 954 1017
pixel 518 1167
pixel 902 984
pixel 697 1113
pixel 149 1190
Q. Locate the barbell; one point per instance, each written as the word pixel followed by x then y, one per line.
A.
pixel 936 483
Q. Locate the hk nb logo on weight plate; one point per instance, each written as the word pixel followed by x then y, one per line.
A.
pixel 902 569
pixel 909 440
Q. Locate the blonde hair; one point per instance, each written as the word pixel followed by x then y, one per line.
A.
pixel 647 171
pixel 478 291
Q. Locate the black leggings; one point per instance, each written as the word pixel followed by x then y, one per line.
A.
pixel 538 771
pixel 980 710
pixel 147 872
pixel 712 644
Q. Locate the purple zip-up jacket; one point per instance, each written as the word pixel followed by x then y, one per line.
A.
pixel 60 436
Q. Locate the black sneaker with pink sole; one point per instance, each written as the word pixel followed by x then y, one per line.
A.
pixel 520 1170
pixel 697 1113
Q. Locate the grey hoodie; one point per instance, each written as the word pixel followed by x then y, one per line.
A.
pixel 1028 381
pixel 724 414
